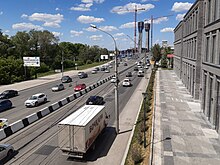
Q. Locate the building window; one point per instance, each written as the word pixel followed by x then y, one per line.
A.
pixel 209 11
pixel 212 60
pixel 215 16
pixel 207 49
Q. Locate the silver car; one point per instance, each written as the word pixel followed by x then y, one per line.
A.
pixel 35 100
pixel 58 87
pixel 6 150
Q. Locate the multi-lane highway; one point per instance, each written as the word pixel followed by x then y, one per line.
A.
pixel 19 111
pixel 37 143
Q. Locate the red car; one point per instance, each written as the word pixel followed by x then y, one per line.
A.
pixel 79 87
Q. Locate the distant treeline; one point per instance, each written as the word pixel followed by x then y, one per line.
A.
pixel 45 45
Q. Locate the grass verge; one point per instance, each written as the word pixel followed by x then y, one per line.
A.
pixel 138 154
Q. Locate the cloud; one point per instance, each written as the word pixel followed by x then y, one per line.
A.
pixel 96 37
pixel 158 20
pixel 127 25
pixel 181 6
pixel 57 34
pixel 130 7
pixel 82 7
pixel 89 19
pixel 92 1
pixel 90 29
pixel 24 16
pixel 26 26
pixel 49 20
pixel 108 28
pixel 164 30
pixel 7 31
pixel 57 9
pixel 75 33
pixel 119 34
pixel 179 17
pixel 1 12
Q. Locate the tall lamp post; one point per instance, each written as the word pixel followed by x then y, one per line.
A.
pixel 116 76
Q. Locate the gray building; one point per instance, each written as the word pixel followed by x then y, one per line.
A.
pixel 197 56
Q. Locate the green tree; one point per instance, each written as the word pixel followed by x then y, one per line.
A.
pixel 156 50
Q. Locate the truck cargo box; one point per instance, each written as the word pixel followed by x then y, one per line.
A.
pixel 77 132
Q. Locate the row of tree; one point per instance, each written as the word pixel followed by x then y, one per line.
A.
pixel 160 54
pixel 45 45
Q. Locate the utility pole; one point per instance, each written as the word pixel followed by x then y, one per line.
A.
pixel 116 76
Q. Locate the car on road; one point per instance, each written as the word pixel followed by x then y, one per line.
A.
pixel 94 71
pixel 35 100
pixel 107 71
pixel 83 75
pixel 5 104
pixel 113 80
pixel 8 94
pixel 66 79
pixel 140 73
pixel 95 100
pixel 135 68
pixel 129 74
pixel 6 151
pixel 3 123
pixel 58 87
pixel 102 68
pixel 125 64
pixel 97 68
pixel 126 82
pixel 79 87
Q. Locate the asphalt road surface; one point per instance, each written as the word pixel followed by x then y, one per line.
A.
pixel 37 143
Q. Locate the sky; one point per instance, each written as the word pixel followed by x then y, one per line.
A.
pixel 71 20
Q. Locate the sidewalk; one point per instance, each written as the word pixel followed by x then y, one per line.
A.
pixel 182 135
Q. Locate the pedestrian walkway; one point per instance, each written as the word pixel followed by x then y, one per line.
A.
pixel 182 135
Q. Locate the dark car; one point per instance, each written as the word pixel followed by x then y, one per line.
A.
pixel 95 100
pixel 135 68
pixel 5 104
pixel 129 74
pixel 8 94
pixel 79 87
pixel 66 79
pixel 83 75
pixel 125 64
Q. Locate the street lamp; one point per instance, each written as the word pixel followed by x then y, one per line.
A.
pixel 116 76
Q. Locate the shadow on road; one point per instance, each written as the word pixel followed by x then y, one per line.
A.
pixel 102 146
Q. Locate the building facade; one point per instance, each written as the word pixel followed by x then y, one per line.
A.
pixel 197 56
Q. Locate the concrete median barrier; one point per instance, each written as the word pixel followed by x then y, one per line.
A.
pixel 2 134
pixel 16 126
pixel 32 118
pixel 45 111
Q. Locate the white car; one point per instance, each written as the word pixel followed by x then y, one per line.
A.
pixel 107 71
pixel 3 123
pixel 6 150
pixel 126 82
pixel 58 87
pixel 94 71
pixel 113 80
pixel 35 100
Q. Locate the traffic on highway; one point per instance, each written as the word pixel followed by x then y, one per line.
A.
pixel 33 100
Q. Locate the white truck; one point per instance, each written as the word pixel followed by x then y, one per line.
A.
pixel 77 132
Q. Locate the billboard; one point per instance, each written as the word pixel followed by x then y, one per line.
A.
pixel 31 61
pixel 104 57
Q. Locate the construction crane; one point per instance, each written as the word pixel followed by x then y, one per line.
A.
pixel 135 10
pixel 151 23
